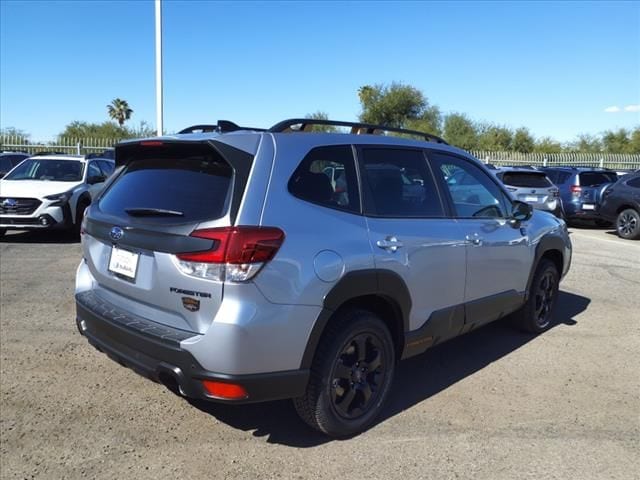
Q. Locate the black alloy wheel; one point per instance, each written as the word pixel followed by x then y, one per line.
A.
pixel 628 224
pixel 351 374
pixel 358 374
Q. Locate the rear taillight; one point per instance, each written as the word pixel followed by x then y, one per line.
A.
pixel 237 253
pixel 576 190
pixel 555 193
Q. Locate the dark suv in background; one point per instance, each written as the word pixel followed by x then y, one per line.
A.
pixel 8 160
pixel 580 190
pixel 621 205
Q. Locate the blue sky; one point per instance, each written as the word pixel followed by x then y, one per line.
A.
pixel 551 66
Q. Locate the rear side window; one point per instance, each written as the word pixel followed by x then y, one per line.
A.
pixel 192 181
pixel 400 184
pixel 634 182
pixel 327 176
pixel 522 179
pixel 593 179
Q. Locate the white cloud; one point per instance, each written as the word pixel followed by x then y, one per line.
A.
pixel 632 108
pixel 612 109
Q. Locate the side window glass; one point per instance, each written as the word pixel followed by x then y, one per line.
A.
pixel 634 182
pixel 106 167
pixel 400 184
pixel 93 171
pixel 478 196
pixel 327 176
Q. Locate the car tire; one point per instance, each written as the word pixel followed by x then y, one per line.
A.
pixel 628 224
pixel 536 314
pixel 351 375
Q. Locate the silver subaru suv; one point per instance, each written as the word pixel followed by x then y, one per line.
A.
pixel 244 265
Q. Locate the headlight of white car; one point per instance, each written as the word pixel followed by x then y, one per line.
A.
pixel 59 198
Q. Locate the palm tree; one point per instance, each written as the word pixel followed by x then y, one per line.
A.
pixel 119 110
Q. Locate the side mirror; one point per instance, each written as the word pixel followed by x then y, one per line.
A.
pixel 95 179
pixel 521 212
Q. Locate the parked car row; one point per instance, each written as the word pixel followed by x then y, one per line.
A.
pixel 579 194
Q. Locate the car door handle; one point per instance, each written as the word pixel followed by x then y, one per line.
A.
pixel 474 239
pixel 391 244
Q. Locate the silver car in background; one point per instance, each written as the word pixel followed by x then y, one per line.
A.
pixel 533 187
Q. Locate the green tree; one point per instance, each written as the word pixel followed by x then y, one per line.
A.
pixel 119 111
pixel 634 144
pixel 95 130
pixel 523 141
pixel 494 138
pixel 618 141
pixel 460 131
pixel 547 145
pixel 586 143
pixel 320 115
pixel 398 105
pixel 142 130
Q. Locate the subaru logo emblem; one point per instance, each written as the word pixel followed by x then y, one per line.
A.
pixel 116 233
pixel 9 203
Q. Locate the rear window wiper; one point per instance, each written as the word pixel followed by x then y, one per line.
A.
pixel 159 212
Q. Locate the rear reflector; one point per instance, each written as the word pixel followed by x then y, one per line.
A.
pixel 575 190
pixel 237 253
pixel 228 391
pixel 152 143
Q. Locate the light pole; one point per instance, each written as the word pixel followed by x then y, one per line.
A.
pixel 159 67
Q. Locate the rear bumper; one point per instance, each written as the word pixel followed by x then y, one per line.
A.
pixel 575 212
pixel 153 351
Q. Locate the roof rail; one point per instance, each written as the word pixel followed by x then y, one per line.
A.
pixel 356 128
pixel 223 126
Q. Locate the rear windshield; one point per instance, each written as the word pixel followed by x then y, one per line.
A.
pixel 593 179
pixel 191 182
pixel 526 179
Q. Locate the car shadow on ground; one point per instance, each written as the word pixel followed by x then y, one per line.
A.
pixel 40 237
pixel 417 379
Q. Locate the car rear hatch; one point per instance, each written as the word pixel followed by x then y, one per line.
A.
pixel 591 188
pixel 531 187
pixel 140 240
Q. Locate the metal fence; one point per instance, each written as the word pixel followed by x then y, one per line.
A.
pixel 606 160
pixel 616 161
pixel 69 145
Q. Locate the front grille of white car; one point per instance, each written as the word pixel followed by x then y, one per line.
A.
pixel 18 206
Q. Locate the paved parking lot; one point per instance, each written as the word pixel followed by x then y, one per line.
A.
pixel 494 404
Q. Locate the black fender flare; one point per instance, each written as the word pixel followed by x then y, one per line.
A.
pixel 83 199
pixel 548 242
pixel 359 283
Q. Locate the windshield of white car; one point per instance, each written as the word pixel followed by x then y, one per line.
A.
pixel 48 169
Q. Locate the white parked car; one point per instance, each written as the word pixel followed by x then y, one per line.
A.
pixel 50 191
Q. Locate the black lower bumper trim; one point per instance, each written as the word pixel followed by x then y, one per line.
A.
pixel 169 364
